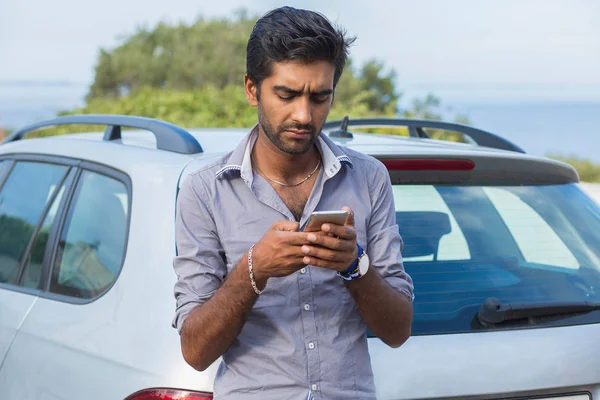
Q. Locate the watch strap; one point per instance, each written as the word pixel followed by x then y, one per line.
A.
pixel 352 272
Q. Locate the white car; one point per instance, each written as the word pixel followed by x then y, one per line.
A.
pixel 503 248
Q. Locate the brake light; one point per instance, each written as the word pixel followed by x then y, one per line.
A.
pixel 169 394
pixel 428 164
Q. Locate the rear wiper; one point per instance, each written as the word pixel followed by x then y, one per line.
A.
pixel 492 311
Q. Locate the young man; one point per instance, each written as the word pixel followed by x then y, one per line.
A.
pixel 288 310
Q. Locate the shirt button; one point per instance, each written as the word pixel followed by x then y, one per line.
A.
pixel 307 307
pixel 311 345
pixel 314 387
pixel 303 271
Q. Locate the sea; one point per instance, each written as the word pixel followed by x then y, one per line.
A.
pixel 542 119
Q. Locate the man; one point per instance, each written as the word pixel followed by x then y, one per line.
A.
pixel 288 310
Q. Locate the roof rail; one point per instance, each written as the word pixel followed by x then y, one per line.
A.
pixel 415 129
pixel 169 137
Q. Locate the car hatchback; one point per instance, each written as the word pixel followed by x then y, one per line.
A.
pixel 503 248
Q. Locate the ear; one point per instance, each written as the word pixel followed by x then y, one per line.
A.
pixel 251 91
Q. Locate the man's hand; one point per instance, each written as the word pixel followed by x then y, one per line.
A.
pixel 334 247
pixel 278 253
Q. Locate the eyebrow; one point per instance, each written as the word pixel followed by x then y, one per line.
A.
pixel 281 88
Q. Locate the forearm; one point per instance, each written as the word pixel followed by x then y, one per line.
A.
pixel 386 311
pixel 209 329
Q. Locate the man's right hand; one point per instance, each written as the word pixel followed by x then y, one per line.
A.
pixel 279 252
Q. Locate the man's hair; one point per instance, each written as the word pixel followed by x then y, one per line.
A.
pixel 290 34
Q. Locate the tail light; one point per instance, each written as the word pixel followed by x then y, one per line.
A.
pixel 428 164
pixel 169 394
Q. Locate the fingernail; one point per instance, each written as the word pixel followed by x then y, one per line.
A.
pixel 305 249
pixel 312 237
pixel 326 228
pixel 306 260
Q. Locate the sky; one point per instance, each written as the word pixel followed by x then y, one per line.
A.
pixel 427 42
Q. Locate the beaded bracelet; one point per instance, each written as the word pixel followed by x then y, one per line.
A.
pixel 252 281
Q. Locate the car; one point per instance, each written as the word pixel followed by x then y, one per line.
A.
pixel 503 248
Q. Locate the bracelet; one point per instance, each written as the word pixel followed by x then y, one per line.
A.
pixel 252 281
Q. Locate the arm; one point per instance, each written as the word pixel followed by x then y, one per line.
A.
pixel 210 328
pixel 384 295
pixel 213 306
pixel 386 311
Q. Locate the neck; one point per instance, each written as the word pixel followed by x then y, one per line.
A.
pixel 280 165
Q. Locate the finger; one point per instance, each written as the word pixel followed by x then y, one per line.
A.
pixel 350 220
pixel 345 232
pixel 325 254
pixel 292 238
pixel 290 226
pixel 322 253
pixel 330 242
pixel 318 262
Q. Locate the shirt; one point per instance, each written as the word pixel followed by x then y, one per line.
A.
pixel 304 333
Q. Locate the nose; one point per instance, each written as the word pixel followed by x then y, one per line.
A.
pixel 302 113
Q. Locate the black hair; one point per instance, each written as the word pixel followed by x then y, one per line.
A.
pixel 290 34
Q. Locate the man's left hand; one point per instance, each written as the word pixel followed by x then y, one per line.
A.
pixel 334 247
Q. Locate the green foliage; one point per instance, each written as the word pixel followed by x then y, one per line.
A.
pixel 210 55
pixel 587 170
pixel 178 57
pixel 191 75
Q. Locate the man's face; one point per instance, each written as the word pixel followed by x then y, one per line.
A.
pixel 293 103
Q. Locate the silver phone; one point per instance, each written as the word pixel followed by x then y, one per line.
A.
pixel 318 218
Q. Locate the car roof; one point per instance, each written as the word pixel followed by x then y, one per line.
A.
pixel 137 147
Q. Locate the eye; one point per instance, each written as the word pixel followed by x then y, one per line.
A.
pixel 286 98
pixel 320 99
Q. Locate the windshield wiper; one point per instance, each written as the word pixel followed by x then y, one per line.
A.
pixel 492 311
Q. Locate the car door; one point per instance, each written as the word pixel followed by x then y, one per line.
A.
pixel 60 348
pixel 29 193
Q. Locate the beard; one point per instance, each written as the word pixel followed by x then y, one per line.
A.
pixel 275 134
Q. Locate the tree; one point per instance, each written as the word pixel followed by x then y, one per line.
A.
pixel 191 75
pixel 212 53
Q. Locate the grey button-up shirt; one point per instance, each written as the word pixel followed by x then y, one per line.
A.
pixel 304 332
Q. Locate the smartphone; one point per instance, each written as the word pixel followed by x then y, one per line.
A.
pixel 318 218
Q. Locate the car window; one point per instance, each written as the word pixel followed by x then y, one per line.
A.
pixel 31 275
pixel 518 244
pixel 410 200
pixel 538 243
pixel 23 199
pixel 92 242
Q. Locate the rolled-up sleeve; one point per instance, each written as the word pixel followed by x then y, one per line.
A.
pixel 384 240
pixel 200 261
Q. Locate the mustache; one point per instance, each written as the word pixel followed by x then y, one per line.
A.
pixel 297 127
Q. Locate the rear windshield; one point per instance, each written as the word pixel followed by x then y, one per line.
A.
pixel 520 244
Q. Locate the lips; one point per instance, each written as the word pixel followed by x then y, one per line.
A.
pixel 299 134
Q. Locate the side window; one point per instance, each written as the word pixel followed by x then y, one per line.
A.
pixel 92 242
pixel 536 239
pixel 23 199
pixel 427 227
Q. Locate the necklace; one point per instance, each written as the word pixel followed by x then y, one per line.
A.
pixel 283 183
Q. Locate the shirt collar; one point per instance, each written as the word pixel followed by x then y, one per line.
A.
pixel 240 159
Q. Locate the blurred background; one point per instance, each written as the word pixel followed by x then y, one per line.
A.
pixel 526 70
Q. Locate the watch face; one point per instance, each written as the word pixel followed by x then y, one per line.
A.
pixel 363 264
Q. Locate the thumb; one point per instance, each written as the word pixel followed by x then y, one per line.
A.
pixel 350 220
pixel 290 226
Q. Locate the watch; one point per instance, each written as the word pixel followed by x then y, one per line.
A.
pixel 358 268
